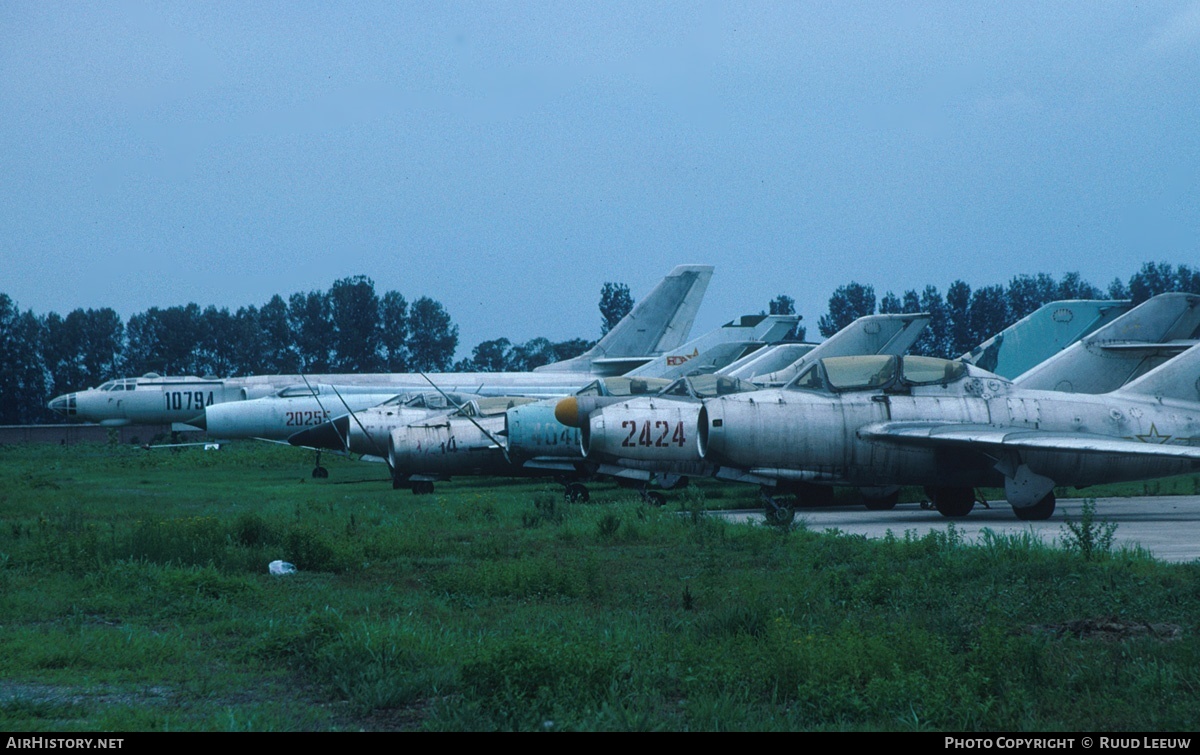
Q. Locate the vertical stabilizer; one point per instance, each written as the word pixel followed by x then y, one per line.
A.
pixel 1043 333
pixel 1130 346
pixel 718 348
pixel 657 324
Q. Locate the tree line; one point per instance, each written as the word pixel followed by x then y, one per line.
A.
pixel 352 328
pixel 963 318
pixel 348 328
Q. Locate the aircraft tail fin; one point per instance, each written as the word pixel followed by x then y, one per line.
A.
pixel 1129 346
pixel 656 324
pixel 1177 379
pixel 1042 334
pixel 717 348
pixel 872 334
pixel 766 360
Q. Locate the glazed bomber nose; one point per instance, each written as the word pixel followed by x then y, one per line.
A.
pixel 64 405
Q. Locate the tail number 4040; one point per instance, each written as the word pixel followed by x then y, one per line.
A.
pixel 652 433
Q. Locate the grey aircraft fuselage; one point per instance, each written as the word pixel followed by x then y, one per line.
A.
pixel 969 429
pixel 160 400
pixel 296 409
pixel 463 441
pixel 522 437
pixel 1042 337
pixel 625 437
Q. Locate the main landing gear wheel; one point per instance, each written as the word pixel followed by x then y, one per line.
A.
pixel 577 492
pixel 953 503
pixel 654 498
pixel 882 503
pixel 777 513
pixel 1043 509
pixel 422 487
pixel 320 473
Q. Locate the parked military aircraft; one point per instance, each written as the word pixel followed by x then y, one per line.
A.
pixel 658 324
pixel 951 427
pixel 464 441
pixel 615 437
pixel 629 438
pixel 295 408
pixel 528 440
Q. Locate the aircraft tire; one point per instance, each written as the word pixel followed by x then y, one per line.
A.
pixel 953 503
pixel 577 492
pixel 1043 509
pixel 781 514
pixel 422 487
pixel 320 473
pixel 655 498
pixel 883 503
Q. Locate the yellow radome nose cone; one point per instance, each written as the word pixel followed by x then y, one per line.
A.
pixel 567 412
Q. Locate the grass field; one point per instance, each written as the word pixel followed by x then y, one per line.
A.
pixel 134 596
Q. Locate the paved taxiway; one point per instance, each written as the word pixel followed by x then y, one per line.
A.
pixel 1166 526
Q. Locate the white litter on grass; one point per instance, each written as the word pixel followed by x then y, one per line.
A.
pixel 281 567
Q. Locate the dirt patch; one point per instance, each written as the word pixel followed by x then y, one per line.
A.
pixel 96 695
pixel 1109 629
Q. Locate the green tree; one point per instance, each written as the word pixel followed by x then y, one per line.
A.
pixel 279 356
pixel 217 344
pixel 23 378
pixel 1028 292
pixel 250 347
pixel 934 341
pixel 890 304
pixel 393 316
pixel 1073 286
pixel 166 341
pixel 786 305
pixel 1156 278
pixel 847 304
pixel 615 303
pixel 62 351
pixel 490 356
pixel 782 305
pixel 309 316
pixel 571 348
pixel 354 310
pixel 988 315
pixel 533 353
pixel 958 302
pixel 432 337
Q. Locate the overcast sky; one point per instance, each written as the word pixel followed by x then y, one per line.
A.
pixel 508 158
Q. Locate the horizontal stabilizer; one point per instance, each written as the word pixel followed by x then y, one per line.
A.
pixel 1142 347
pixel 1177 379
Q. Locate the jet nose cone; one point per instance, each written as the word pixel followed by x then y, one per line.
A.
pixel 567 412
pixel 331 435
pixel 64 404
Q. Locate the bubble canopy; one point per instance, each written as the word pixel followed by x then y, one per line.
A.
pixel 877 372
